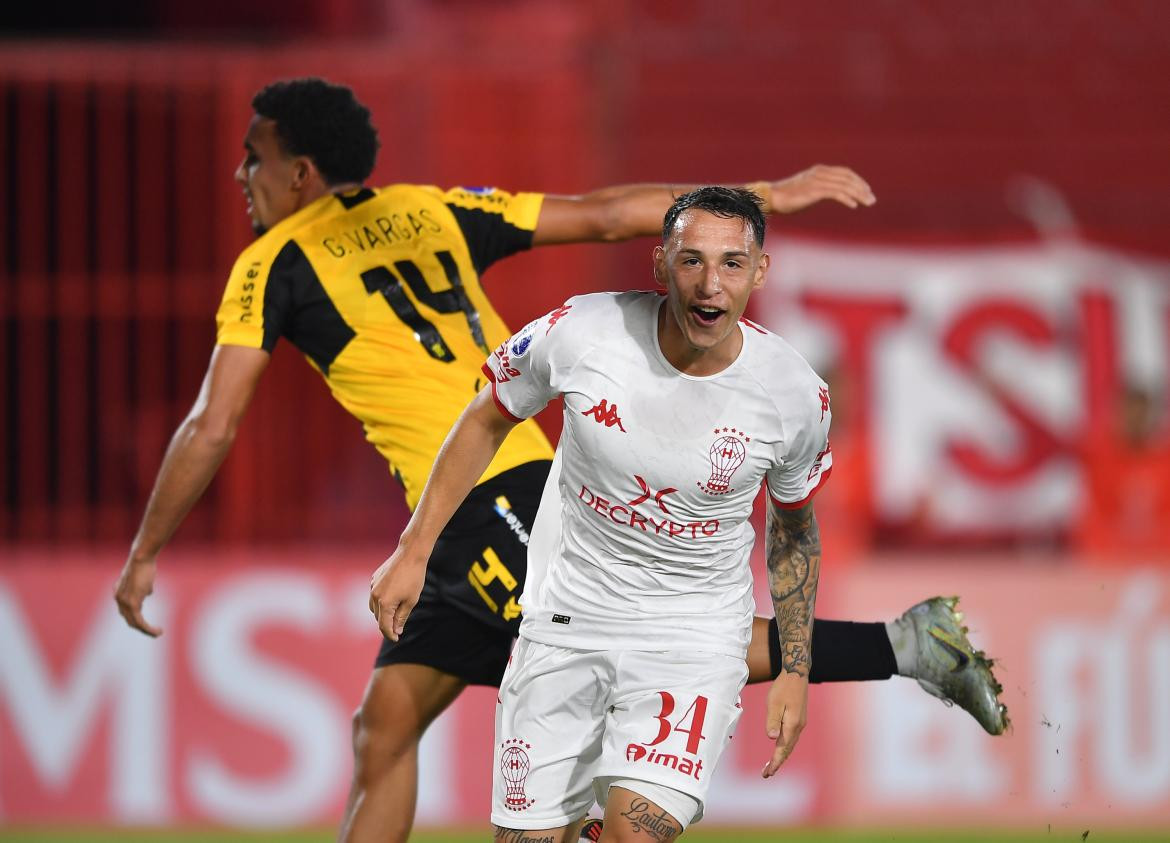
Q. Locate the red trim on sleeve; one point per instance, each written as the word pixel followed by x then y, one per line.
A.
pixel 504 411
pixel 487 370
pixel 804 501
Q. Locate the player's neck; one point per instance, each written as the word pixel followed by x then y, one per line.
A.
pixel 348 187
pixel 315 190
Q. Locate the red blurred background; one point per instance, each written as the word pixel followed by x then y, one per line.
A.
pixel 120 218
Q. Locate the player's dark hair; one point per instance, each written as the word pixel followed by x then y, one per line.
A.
pixel 325 122
pixel 726 202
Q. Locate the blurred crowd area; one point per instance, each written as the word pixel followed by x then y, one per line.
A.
pixel 995 344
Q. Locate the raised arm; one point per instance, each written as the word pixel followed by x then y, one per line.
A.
pixel 195 453
pixel 793 551
pixel 465 455
pixel 635 210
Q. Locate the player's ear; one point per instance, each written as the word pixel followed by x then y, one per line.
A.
pixel 303 171
pixel 762 271
pixel 660 266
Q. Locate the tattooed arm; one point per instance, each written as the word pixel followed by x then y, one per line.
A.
pixel 793 550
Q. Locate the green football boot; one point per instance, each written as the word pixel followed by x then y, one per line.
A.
pixel 948 667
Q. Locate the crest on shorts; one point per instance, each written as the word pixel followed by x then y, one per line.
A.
pixel 514 768
pixel 727 454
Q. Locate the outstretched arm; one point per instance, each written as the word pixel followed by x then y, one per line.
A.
pixel 195 453
pixel 636 210
pixel 793 552
pixel 473 441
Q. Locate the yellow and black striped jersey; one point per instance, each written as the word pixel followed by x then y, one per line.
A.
pixel 380 290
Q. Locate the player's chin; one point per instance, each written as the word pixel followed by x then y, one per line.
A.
pixel 705 340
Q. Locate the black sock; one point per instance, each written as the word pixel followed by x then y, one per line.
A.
pixel 843 651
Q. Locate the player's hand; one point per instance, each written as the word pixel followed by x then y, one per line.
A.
pixel 787 714
pixel 394 590
pixel 135 583
pixel 817 183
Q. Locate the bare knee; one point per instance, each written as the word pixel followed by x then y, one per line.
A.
pixel 380 741
pixel 399 704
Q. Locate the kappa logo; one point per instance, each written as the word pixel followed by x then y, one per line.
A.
pixel 556 315
pixel 606 414
pixel 820 459
pixel 647 492
pixel 823 394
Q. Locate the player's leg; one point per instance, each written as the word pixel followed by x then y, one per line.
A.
pixel 549 721
pixel 565 834
pixel 441 651
pixel 927 642
pixel 845 651
pixel 460 633
pixel 671 716
pixel 633 817
pixel 400 702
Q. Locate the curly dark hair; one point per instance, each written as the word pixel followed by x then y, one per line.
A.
pixel 726 202
pixel 325 122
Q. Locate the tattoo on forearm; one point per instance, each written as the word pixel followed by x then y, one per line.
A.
pixel 519 835
pixel 794 567
pixel 660 826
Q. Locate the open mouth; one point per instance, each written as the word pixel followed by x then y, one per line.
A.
pixel 706 315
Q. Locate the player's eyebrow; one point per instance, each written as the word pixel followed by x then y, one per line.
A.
pixel 735 253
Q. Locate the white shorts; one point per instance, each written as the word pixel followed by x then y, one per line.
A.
pixel 570 721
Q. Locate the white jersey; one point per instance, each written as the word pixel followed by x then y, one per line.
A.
pixel 658 474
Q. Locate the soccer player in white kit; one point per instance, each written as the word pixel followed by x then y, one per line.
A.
pixel 624 685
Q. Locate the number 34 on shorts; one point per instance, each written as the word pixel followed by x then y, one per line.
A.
pixel 569 719
pixel 690 724
pixel 671 735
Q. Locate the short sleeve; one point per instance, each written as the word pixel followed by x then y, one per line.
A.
pixel 494 223
pixel 523 370
pixel 251 314
pixel 807 458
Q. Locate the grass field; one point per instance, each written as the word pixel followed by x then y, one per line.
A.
pixel 708 835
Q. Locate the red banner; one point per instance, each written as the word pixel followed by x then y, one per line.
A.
pixel 240 712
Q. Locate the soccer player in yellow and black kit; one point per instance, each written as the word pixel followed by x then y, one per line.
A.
pixel 379 289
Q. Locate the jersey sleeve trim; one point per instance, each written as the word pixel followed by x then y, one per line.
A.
pixel 494 223
pixel 807 498
pixel 504 411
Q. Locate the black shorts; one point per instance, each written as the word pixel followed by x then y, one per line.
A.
pixel 469 612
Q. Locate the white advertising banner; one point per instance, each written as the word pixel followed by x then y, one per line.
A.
pixel 972 373
pixel 240 713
